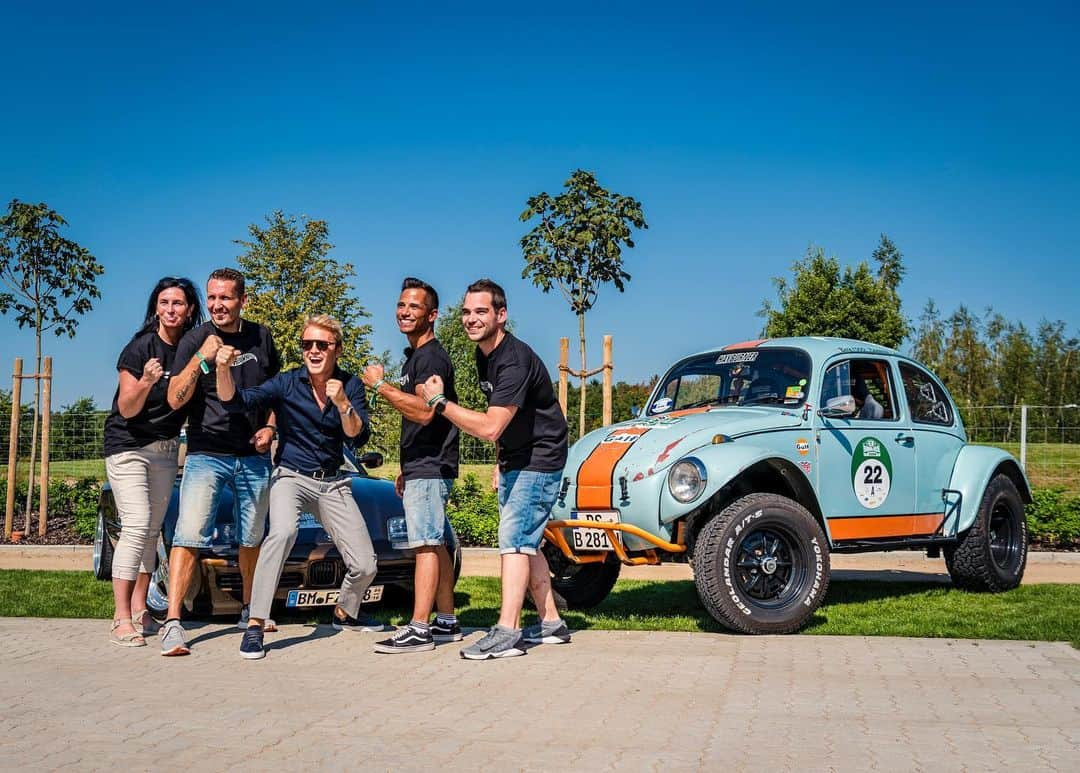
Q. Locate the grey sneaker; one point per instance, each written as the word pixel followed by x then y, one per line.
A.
pixel 499 642
pixel 547 632
pixel 245 617
pixel 172 639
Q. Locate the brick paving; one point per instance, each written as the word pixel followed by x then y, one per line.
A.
pixel 610 700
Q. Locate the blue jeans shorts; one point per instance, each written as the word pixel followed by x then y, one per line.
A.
pixel 205 478
pixel 525 501
pixel 425 511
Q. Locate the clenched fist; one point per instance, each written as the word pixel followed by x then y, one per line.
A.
pixel 225 355
pixel 433 386
pixel 210 347
pixel 372 374
pixel 335 390
pixel 152 371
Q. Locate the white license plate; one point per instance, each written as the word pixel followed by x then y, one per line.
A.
pixel 593 539
pixel 322 598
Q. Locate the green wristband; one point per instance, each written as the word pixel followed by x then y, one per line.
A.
pixel 436 399
pixel 202 362
pixel 377 384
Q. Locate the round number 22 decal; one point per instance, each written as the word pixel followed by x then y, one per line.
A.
pixel 871 473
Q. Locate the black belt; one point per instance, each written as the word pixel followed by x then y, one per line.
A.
pixel 320 474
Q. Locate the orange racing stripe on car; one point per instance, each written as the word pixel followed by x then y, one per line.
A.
pixel 595 476
pixel 914 525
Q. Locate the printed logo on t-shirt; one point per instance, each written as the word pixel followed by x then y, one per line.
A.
pixel 404 380
pixel 245 357
pixel 486 388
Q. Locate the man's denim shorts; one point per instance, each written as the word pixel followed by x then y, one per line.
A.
pixel 205 477
pixel 525 501
pixel 425 511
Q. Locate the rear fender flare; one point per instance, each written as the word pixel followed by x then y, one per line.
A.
pixel 974 469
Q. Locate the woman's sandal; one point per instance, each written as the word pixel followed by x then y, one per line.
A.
pixel 133 639
pixel 137 623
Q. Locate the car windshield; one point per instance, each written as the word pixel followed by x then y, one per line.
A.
pixel 747 377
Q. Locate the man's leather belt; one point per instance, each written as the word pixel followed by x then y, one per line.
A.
pixel 320 474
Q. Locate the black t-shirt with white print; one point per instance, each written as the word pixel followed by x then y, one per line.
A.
pixel 212 429
pixel 156 420
pixel 512 375
pixel 428 451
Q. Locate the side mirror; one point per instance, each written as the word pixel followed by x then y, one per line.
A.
pixel 839 407
pixel 370 459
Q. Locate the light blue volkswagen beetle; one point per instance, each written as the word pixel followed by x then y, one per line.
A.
pixel 756 461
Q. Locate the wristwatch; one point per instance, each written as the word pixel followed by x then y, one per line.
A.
pixel 348 411
pixel 440 407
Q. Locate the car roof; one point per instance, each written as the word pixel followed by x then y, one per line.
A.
pixel 818 347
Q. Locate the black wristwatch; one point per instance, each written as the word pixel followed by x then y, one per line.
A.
pixel 440 407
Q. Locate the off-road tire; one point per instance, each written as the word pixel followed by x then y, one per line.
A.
pixel 992 555
pixel 579 586
pixel 738 584
pixel 103 550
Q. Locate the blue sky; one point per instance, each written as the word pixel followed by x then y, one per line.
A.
pixel 418 131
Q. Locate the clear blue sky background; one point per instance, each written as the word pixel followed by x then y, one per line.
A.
pixel 418 131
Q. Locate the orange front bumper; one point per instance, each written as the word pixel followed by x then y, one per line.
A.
pixel 554 534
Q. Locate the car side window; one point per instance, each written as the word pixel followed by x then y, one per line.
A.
pixel 926 398
pixel 868 381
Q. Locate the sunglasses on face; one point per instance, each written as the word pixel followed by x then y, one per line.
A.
pixel 322 346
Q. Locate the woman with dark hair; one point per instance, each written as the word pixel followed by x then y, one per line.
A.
pixel 141 447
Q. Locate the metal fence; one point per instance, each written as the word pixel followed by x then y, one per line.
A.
pixel 1045 438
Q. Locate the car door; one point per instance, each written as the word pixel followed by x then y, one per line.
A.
pixel 867 473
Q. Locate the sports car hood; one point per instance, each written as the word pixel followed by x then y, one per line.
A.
pixel 650 445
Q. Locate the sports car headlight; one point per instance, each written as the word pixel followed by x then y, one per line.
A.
pixel 687 479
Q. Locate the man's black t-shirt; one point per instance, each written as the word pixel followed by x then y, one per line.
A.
pixel 156 420
pixel 428 451
pixel 535 439
pixel 212 429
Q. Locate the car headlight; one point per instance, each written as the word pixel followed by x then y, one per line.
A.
pixel 397 532
pixel 687 479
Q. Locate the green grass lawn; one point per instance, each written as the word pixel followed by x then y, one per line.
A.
pixel 1031 612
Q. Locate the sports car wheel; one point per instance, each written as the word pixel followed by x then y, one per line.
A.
pixel 579 586
pixel 762 565
pixel 992 555
pixel 103 549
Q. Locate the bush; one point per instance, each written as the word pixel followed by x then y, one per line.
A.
pixel 1054 518
pixel 473 510
pixel 73 499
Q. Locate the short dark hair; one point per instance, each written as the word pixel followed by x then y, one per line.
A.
pixel 498 296
pixel 412 283
pixel 229 275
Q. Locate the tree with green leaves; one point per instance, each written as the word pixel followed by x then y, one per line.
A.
pixel 577 246
pixel 50 282
pixel 929 344
pixel 822 300
pixel 290 273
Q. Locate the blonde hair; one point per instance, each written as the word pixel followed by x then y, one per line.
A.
pixel 326 322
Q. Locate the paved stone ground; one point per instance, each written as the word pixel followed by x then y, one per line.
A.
pixel 625 700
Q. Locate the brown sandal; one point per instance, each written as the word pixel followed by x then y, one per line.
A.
pixel 133 639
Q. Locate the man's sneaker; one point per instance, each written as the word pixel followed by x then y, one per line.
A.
pixel 443 632
pixel 269 626
pixel 362 623
pixel 551 632
pixel 251 646
pixel 172 640
pixel 407 639
pixel 499 642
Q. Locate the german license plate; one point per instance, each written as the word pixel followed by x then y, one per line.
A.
pixel 322 598
pixel 593 539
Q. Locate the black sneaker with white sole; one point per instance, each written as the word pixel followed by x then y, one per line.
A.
pixel 251 646
pixel 444 632
pixel 407 639
pixel 361 623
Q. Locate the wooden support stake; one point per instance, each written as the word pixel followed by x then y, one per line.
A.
pixel 13 446
pixel 607 380
pixel 46 421
pixel 564 369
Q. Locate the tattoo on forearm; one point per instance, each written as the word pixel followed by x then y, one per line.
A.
pixel 182 392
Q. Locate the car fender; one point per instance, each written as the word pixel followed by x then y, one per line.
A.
pixel 975 467
pixel 724 462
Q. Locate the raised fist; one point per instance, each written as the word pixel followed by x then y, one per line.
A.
pixel 335 391
pixel 372 374
pixel 152 371
pixel 225 356
pixel 433 386
pixel 210 347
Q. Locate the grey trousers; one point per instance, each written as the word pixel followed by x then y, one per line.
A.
pixel 332 503
pixel 142 482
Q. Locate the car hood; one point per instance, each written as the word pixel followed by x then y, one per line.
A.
pixel 650 445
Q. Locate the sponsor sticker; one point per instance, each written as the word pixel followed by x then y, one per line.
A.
pixel 802 445
pixel 871 473
pixel 793 393
pixel 806 467
pixel 725 359
pixel 621 437
pixel 658 423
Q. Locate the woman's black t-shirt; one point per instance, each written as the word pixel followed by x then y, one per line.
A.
pixel 156 420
